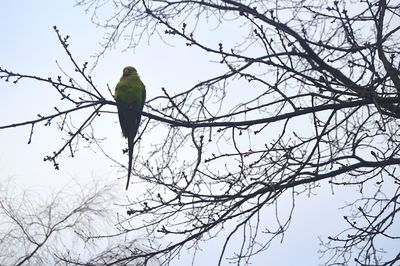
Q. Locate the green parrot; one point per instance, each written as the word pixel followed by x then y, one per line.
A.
pixel 130 95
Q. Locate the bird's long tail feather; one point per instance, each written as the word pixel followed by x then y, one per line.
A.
pixel 130 155
pixel 131 142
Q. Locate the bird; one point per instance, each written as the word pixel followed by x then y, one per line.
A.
pixel 130 96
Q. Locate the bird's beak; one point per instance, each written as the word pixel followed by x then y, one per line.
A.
pixel 126 72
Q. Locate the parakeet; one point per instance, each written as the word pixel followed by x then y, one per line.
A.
pixel 130 95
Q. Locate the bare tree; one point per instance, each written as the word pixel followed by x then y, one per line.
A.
pixel 46 231
pixel 319 104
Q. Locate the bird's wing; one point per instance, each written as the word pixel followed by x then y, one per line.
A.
pixel 143 96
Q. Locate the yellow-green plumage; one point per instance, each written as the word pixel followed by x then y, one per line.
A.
pixel 130 95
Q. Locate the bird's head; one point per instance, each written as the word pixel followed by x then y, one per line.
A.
pixel 128 71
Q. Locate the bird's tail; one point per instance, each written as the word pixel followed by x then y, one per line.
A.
pixel 131 143
pixel 130 155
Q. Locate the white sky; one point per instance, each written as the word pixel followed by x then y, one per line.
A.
pixel 29 45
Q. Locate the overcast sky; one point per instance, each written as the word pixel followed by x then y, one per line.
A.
pixel 29 45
